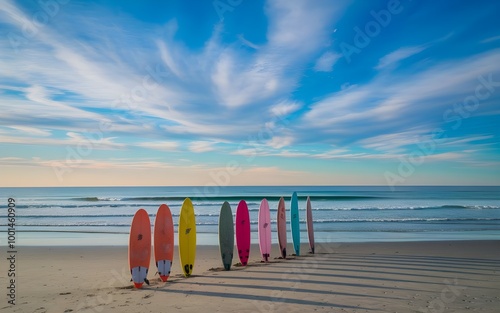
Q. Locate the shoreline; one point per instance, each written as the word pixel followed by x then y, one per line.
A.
pixel 303 244
pixel 76 238
pixel 354 277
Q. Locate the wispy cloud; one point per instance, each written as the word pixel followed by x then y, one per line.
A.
pixel 283 108
pixel 31 131
pixel 248 43
pixel 445 156
pixel 85 163
pixel 166 56
pixel 490 39
pixel 162 145
pixel 326 61
pixel 278 142
pixel 75 140
pixel 266 75
pixel 461 141
pixel 395 142
pixel 201 146
pixel 393 58
pixel 405 102
pixel 105 74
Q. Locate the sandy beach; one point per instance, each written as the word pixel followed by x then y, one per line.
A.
pixel 455 276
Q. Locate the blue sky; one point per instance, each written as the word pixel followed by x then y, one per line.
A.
pixel 239 92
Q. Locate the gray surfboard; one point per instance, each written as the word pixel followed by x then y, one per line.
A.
pixel 226 235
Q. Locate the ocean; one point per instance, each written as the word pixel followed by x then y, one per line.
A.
pixel 102 215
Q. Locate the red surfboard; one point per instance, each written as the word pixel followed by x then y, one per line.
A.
pixel 139 248
pixel 163 241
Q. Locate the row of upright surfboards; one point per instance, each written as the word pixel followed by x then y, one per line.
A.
pixel 163 236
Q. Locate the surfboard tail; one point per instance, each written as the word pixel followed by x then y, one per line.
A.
pixel 138 285
pixel 188 269
pixel 139 276
pixel 164 278
pixel 164 268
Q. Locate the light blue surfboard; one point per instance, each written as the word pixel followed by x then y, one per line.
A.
pixel 294 223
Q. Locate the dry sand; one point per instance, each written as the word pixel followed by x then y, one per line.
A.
pixel 457 276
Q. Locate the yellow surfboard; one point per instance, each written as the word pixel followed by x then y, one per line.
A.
pixel 187 237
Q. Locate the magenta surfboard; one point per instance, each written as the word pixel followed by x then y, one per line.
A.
pixel 264 225
pixel 243 232
pixel 310 229
pixel 281 220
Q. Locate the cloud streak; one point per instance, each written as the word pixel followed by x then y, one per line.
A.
pixel 393 58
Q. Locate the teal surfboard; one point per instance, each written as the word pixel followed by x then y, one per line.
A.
pixel 226 235
pixel 294 223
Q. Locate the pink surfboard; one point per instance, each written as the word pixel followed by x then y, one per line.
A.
pixel 281 220
pixel 310 229
pixel 243 232
pixel 264 225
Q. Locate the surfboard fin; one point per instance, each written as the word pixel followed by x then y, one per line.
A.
pixel 146 281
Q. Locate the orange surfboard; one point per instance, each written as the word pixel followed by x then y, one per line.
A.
pixel 139 248
pixel 163 241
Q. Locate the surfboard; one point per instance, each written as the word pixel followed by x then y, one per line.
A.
pixel 243 232
pixel 281 221
pixel 264 232
pixel 163 241
pixel 294 223
pixel 187 237
pixel 310 230
pixel 226 235
pixel 139 248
